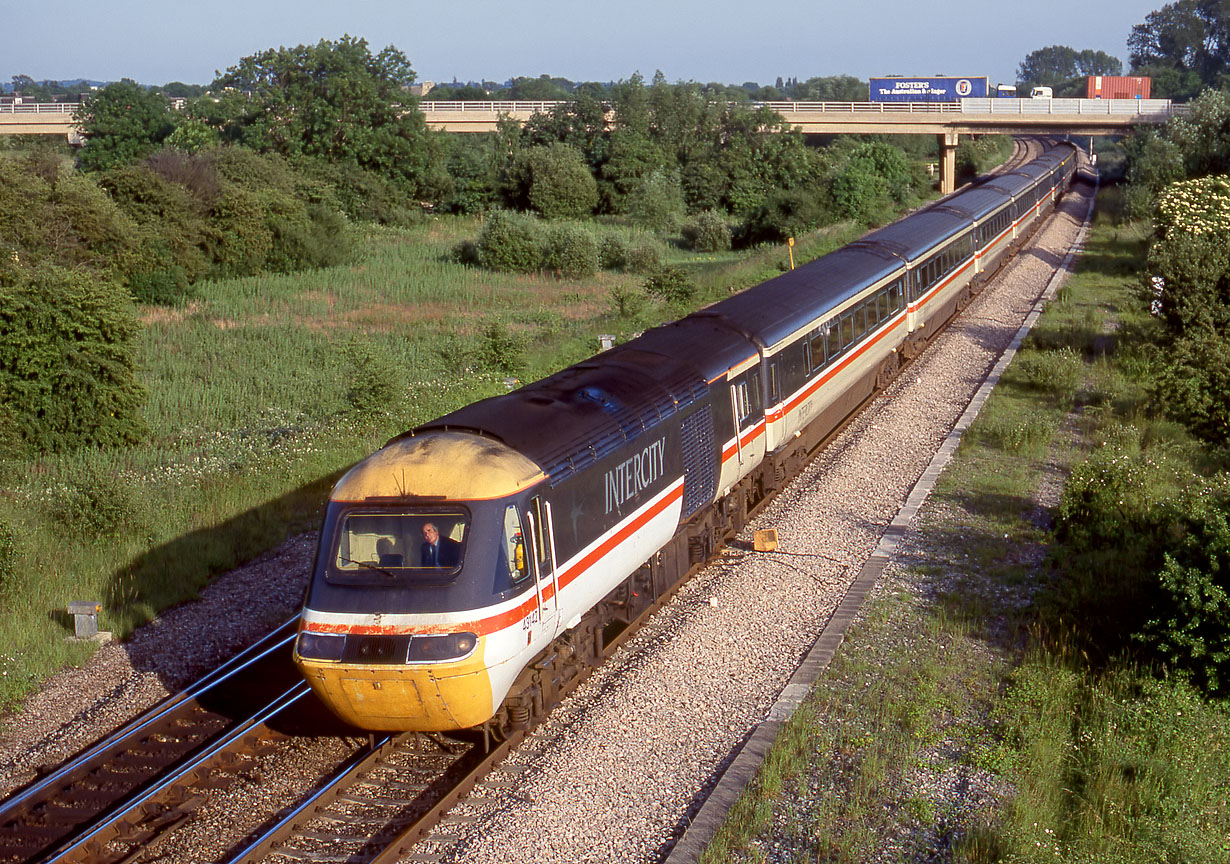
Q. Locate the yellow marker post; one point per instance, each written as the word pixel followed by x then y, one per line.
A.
pixel 790 249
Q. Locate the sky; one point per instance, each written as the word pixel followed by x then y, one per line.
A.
pixel 160 41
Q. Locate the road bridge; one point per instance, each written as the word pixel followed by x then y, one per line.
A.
pixel 946 120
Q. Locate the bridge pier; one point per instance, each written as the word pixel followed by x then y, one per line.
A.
pixel 948 161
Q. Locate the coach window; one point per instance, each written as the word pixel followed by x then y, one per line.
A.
pixel 848 334
pixel 817 349
pixel 775 394
pixel 808 365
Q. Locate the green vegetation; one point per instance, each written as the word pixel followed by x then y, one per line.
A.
pixel 1072 672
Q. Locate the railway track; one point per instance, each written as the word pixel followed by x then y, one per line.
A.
pixel 145 778
pixel 127 793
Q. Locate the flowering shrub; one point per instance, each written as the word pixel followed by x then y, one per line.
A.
pixel 1112 499
pixel 1200 206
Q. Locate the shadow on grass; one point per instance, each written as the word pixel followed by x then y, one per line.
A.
pixel 177 571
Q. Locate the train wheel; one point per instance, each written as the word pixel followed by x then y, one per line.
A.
pixel 963 299
pixel 888 371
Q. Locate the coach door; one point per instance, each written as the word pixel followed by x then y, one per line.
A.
pixel 747 406
pixel 542 547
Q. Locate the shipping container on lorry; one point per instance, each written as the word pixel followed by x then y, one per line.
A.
pixel 1117 87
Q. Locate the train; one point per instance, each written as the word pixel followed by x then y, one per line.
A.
pixel 476 565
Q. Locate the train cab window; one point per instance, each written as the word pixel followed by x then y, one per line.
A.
pixel 808 361
pixel 541 531
pixel 377 547
pixel 514 559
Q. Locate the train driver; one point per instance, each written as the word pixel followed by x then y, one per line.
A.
pixel 438 551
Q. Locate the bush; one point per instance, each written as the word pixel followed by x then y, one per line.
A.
pixel 239 240
pixel 8 557
pixel 1192 628
pixel 365 196
pixel 671 284
pixel 571 251
pixel 67 359
pixel 501 351
pixel 465 252
pixel 1113 500
pixel 1058 372
pixel 645 257
pixel 628 301
pixel 708 232
pixel 61 217
pixel 656 201
pixel 560 183
pixel 783 214
pixel 1193 385
pixel 166 287
pixel 510 242
pixel 376 383
pixel 172 222
pixel 305 237
pixel 860 194
pixel 612 253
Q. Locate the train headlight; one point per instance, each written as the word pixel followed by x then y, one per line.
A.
pixel 320 646
pixel 451 646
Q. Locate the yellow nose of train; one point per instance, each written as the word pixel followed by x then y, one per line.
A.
pixel 406 698
pixel 409 624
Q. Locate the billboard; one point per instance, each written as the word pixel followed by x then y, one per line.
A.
pixel 927 89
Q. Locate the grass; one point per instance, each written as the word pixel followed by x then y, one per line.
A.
pixel 1080 757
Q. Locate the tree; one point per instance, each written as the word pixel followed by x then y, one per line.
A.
pixel 833 88
pixel 541 89
pixel 121 123
pixel 334 101
pixel 1181 42
pixel 1064 69
pixel 180 90
pixel 1174 35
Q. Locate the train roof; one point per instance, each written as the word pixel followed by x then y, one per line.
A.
pixel 918 233
pixel 577 416
pixel 775 309
pixel 977 202
pixel 1012 182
